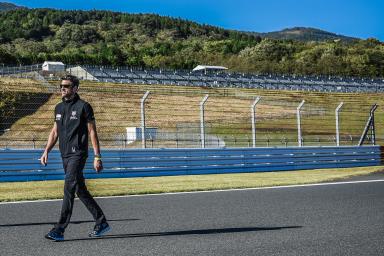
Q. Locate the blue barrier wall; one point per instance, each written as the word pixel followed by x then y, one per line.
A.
pixel 24 165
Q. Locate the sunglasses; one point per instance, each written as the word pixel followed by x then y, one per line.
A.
pixel 67 86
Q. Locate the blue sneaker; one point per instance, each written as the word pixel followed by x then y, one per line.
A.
pixel 55 235
pixel 100 230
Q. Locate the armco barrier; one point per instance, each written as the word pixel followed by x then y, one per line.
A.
pixel 24 165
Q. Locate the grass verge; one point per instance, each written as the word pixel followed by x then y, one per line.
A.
pixel 16 191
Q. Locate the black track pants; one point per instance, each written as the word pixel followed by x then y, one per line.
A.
pixel 75 183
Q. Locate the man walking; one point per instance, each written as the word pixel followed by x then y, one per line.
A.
pixel 74 122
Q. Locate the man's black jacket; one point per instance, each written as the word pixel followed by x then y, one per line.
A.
pixel 71 117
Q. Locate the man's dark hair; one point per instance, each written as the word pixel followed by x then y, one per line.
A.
pixel 74 80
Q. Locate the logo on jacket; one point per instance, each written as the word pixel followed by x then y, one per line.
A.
pixel 58 117
pixel 73 116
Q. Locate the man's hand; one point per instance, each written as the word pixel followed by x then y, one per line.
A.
pixel 52 139
pixel 44 158
pixel 98 165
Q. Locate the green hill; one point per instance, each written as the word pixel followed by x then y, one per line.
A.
pixel 30 36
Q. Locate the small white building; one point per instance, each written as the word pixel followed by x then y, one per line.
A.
pixel 53 66
pixel 134 134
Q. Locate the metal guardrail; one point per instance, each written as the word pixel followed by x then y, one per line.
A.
pixel 24 165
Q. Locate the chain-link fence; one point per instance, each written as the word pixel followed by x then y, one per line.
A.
pixel 177 117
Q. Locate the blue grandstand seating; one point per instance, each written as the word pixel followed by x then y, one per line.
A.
pixel 234 79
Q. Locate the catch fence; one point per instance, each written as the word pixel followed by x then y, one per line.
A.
pixel 197 117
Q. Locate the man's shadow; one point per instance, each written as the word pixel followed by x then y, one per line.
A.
pixel 53 223
pixel 188 232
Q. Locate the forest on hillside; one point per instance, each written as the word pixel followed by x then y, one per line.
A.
pixel 30 36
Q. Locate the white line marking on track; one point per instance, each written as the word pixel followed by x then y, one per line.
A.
pixel 212 191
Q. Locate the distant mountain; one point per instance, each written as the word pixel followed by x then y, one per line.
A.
pixel 9 6
pixel 305 34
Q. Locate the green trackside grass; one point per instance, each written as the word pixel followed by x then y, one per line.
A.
pixel 15 191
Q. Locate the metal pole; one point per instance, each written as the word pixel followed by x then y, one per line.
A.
pixel 299 137
pixel 253 110
pixel 202 123
pixel 373 132
pixel 337 123
pixel 370 124
pixel 142 101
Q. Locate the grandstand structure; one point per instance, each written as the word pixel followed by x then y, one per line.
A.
pixel 227 79
pixel 210 78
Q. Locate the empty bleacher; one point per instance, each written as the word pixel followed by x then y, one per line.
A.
pixel 237 80
pixel 128 75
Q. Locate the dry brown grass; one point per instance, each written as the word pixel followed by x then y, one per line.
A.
pixel 20 84
pixel 117 106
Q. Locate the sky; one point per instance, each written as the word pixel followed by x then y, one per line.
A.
pixel 355 18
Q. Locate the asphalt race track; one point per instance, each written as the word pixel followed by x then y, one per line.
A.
pixel 328 219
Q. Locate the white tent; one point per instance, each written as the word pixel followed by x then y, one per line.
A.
pixel 53 66
pixel 81 73
pixel 205 68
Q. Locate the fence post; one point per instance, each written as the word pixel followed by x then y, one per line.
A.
pixel 267 140
pixel 142 107
pixel 202 123
pixel 337 124
pixel 299 137
pixel 369 125
pixel 253 110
